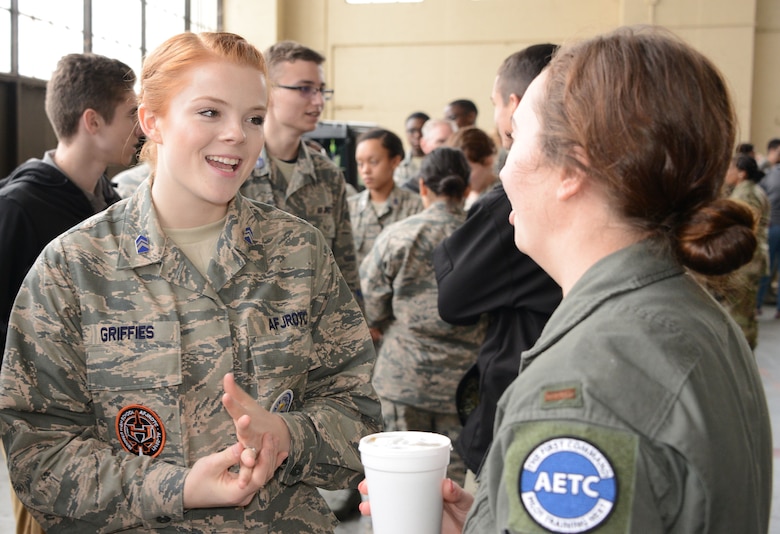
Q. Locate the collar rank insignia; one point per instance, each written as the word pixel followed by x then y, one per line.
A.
pixel 142 244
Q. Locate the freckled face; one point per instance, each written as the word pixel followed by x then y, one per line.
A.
pixel 210 136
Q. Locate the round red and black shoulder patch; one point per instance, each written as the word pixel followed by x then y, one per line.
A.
pixel 140 430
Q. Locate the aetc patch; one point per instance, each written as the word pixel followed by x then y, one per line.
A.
pixel 140 430
pixel 568 485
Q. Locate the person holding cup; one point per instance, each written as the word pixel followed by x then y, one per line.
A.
pixel 640 408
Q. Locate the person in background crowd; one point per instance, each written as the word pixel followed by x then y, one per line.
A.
pixel 480 271
pixel 378 153
pixel 746 149
pixel 772 156
pixel 480 152
pixel 771 185
pixel 435 133
pixel 462 112
pixel 740 291
pixel 91 105
pixel 199 363
pixel 382 203
pixel 421 357
pixel 290 174
pixel 409 168
pixel 610 425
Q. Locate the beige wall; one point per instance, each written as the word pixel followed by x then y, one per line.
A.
pixel 256 20
pixel 765 109
pixel 386 61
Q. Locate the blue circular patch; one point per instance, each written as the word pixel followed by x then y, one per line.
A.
pixel 568 485
pixel 283 402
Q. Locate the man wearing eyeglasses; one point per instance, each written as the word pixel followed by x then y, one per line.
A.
pixel 291 175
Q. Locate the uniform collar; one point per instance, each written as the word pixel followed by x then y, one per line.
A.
pixel 626 270
pixel 304 165
pixel 393 199
pixel 143 242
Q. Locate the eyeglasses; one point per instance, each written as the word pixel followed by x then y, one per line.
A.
pixel 309 91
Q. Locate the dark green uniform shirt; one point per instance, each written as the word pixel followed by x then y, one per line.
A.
pixel 640 409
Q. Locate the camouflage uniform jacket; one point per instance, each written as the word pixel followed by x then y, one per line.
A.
pixel 128 180
pixel 112 382
pixel 754 196
pixel 367 223
pixel 317 194
pixel 408 169
pixel 422 358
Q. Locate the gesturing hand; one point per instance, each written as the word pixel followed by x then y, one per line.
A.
pixel 253 423
pixel 210 483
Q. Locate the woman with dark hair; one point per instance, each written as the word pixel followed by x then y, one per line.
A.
pixel 640 408
pixel 378 153
pixel 422 357
pixel 740 292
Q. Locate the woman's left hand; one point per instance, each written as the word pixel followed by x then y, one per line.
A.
pixel 252 423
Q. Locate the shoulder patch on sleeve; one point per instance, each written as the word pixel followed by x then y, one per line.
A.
pixel 570 478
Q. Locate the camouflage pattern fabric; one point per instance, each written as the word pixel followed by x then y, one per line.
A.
pixel 740 297
pixel 422 358
pixel 317 194
pixel 128 180
pixel 112 382
pixel 367 223
pixel 408 169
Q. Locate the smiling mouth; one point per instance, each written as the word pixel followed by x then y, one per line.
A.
pixel 222 163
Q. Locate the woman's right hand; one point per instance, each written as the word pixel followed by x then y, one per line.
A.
pixel 457 503
pixel 212 483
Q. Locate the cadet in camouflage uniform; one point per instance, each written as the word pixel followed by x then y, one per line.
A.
pixel 291 175
pixel 740 297
pixel 422 358
pixel 409 168
pixel 112 406
pixel 378 153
